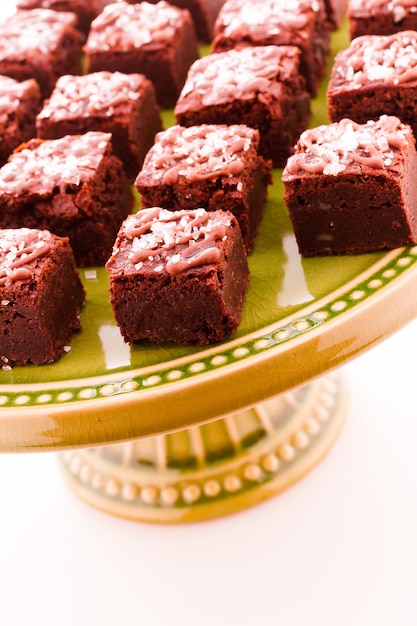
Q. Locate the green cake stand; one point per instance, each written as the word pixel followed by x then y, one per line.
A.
pixel 163 433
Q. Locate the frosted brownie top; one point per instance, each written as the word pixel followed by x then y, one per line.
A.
pixel 126 27
pixel 39 29
pixel 391 59
pixel 19 250
pixel 334 148
pixel 170 240
pixel 236 74
pixel 43 165
pixel 263 17
pixel 90 94
pixel 399 8
pixel 199 152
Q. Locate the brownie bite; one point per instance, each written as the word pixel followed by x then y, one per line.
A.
pixel 41 297
pixel 375 75
pixel 19 105
pixel 209 166
pixel 352 188
pixel 379 17
pixel 300 23
pixel 73 186
pixel 41 44
pixel 86 10
pixel 121 104
pixel 258 86
pixel 157 40
pixel 203 12
pixel 178 276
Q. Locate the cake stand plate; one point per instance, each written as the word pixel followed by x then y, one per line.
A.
pixel 166 433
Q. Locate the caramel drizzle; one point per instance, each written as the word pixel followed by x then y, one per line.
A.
pixel 17 270
pixel 315 155
pixel 396 53
pixel 196 253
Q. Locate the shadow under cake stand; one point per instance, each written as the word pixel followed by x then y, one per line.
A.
pixel 205 433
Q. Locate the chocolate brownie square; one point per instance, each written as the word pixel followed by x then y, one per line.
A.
pixel 157 40
pixel 203 12
pixel 86 10
pixel 41 297
pixel 73 186
pixel 352 188
pixel 19 104
pixel 208 166
pixel 41 44
pixel 300 23
pixel 121 104
pixel 178 276
pixel 379 17
pixel 258 86
pixel 375 75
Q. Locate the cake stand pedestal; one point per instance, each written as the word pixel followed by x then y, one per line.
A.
pixel 213 469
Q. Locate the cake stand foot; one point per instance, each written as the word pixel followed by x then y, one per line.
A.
pixel 217 468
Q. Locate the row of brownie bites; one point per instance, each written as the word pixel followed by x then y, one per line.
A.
pixel 351 186
pixel 177 272
pixel 238 114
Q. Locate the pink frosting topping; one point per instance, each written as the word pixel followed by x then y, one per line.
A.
pixel 91 94
pixel 331 149
pixel 54 163
pixel 19 249
pixel 236 74
pixel 260 17
pixel 175 240
pixel 38 29
pixel 131 26
pixel 199 152
pixel 391 59
pixel 399 8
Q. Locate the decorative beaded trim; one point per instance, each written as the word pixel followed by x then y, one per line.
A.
pixel 242 472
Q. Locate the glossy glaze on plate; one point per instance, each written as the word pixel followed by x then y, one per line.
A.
pixel 301 317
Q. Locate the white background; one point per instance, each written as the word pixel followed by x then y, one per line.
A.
pixel 339 548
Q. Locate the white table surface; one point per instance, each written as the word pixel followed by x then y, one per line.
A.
pixel 339 548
